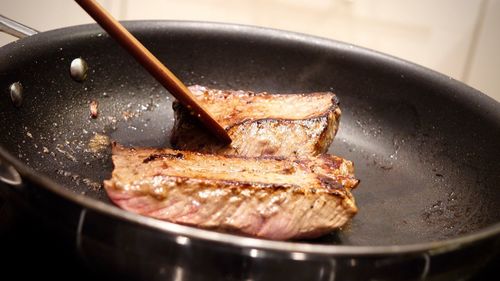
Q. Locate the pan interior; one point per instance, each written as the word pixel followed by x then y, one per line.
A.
pixel 424 149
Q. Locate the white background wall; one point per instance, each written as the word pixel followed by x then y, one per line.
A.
pixel 460 38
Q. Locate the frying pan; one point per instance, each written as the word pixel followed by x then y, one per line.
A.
pixel 425 148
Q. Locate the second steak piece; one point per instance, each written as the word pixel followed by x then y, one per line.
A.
pixel 264 197
pixel 260 123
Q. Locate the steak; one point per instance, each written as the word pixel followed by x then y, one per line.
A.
pixel 267 197
pixel 260 123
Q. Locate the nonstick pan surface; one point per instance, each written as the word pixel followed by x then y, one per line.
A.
pixel 425 147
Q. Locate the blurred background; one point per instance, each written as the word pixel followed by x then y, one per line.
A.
pixel 460 38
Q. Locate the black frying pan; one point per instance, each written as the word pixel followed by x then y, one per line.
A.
pixel 425 147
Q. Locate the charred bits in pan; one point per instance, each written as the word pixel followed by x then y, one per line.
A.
pixel 98 143
pixel 94 109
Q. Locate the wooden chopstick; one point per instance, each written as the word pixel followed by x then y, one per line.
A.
pixel 153 65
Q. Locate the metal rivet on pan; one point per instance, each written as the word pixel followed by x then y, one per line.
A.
pixel 78 69
pixel 16 93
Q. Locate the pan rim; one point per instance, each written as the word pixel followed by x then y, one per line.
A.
pixel 433 247
pixel 248 242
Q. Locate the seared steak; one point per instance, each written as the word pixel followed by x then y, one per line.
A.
pixel 268 197
pixel 260 123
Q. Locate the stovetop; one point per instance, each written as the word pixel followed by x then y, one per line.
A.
pixel 28 251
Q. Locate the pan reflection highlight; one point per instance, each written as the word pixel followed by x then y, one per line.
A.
pixel 298 256
pixel 182 240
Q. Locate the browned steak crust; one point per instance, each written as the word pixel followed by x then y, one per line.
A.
pixel 268 197
pixel 260 123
